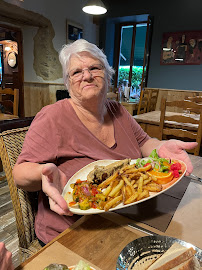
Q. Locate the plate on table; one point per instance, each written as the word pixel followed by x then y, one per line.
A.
pixel 82 175
pixel 72 267
pixel 140 251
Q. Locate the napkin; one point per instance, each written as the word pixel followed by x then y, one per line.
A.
pixel 158 211
pixel 56 253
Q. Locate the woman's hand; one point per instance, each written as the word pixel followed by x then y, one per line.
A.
pixel 53 181
pixel 176 150
pixel 5 258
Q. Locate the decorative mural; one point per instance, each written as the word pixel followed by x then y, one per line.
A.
pixel 181 48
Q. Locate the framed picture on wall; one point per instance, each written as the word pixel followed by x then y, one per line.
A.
pixel 74 31
pixel 181 48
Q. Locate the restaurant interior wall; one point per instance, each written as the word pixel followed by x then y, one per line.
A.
pixel 171 17
pixel 36 88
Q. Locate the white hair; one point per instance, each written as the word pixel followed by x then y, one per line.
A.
pixel 75 48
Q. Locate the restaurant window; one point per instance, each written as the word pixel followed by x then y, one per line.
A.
pixel 132 66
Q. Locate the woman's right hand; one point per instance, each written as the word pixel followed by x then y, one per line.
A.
pixel 53 182
pixel 5 258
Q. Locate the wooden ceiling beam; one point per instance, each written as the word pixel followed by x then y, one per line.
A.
pixel 17 15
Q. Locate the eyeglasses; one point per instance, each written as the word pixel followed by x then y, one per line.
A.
pixel 77 73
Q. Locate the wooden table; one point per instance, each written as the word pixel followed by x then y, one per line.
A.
pixel 99 239
pixel 150 122
pixel 4 116
pixel 130 106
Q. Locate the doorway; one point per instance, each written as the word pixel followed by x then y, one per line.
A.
pixel 12 68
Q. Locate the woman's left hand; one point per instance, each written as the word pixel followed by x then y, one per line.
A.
pixel 176 150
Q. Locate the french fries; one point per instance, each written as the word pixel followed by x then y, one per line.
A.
pixel 116 189
pixel 113 201
pixel 128 185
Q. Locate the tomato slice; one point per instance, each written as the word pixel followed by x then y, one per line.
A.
pixel 94 191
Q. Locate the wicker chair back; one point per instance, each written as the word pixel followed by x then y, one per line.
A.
pixel 24 203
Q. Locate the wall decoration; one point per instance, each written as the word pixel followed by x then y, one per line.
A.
pixel 12 59
pixel 74 31
pixel 181 48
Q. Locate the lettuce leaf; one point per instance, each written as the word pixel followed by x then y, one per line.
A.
pixel 82 266
pixel 154 154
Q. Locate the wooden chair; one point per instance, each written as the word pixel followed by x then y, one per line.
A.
pixel 153 96
pixel 9 100
pixel 112 96
pixel 112 93
pixel 24 203
pixel 61 94
pixel 175 127
pixel 148 100
pixel 196 99
pixel 143 103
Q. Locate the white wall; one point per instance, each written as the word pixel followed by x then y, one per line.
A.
pixel 57 11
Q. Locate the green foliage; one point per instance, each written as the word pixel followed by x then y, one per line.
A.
pixel 136 75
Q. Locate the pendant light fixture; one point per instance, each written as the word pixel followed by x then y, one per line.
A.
pixel 94 7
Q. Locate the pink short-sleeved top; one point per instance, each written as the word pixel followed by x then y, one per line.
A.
pixel 57 135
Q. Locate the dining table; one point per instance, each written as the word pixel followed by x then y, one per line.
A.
pixel 131 105
pixel 5 116
pixel 150 122
pixel 99 239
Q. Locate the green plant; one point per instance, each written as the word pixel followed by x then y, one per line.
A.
pixel 136 75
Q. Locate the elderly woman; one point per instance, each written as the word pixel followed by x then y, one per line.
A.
pixel 67 135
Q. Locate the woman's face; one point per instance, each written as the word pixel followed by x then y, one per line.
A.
pixel 88 86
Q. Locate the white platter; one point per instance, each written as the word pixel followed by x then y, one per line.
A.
pixel 82 175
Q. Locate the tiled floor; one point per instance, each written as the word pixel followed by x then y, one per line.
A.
pixel 8 230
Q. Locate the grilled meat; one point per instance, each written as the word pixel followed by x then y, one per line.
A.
pixel 100 173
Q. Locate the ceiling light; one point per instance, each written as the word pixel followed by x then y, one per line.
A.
pixel 94 7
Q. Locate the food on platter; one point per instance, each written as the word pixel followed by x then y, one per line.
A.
pixel 126 185
pixel 86 195
pixel 177 257
pixel 100 173
pixel 163 169
pixel 126 182
pixel 80 266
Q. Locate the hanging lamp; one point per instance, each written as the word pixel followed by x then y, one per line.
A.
pixel 94 7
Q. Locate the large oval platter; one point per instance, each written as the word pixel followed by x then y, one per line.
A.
pixel 82 175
